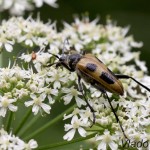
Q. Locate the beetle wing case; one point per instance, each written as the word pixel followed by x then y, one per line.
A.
pixel 92 70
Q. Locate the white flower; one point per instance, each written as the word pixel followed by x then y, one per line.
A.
pixel 42 58
pixel 18 7
pixel 106 140
pixel 52 3
pixel 57 76
pixel 5 43
pixel 20 93
pixel 26 57
pixel 32 144
pixel 75 112
pixel 72 93
pixel 76 124
pixel 10 141
pixel 38 104
pixel 49 92
pixel 6 104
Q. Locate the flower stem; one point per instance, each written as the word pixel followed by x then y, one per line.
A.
pixel 1 122
pixel 9 121
pixel 67 142
pixel 44 127
pixel 30 124
pixel 22 122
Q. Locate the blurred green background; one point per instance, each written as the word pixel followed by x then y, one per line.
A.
pixel 135 13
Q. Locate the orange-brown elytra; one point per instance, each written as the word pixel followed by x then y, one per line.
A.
pixel 94 71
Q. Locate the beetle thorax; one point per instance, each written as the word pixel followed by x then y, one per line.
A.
pixel 73 59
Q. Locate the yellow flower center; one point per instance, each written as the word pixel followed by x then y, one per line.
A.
pixel 37 101
pixel 74 92
pixel 107 138
pixel 5 102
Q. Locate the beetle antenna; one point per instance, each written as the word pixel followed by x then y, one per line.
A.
pixel 54 55
pixel 117 119
pixel 127 77
pixel 64 47
pixel 54 62
pixel 51 64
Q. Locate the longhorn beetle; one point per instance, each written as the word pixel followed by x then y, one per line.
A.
pixel 94 71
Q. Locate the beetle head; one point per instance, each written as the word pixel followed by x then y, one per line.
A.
pixel 69 61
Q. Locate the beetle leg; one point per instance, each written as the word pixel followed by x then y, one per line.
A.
pixel 98 87
pixel 120 76
pixel 91 108
pixel 79 84
pixel 83 94
pixel 117 119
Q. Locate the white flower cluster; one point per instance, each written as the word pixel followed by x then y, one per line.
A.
pixel 44 87
pixel 29 32
pixel 18 7
pixel 9 141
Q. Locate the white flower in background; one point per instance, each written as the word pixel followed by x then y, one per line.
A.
pixel 5 42
pixel 26 57
pixel 10 141
pixel 18 7
pixel 38 104
pixel 39 3
pixel 76 124
pixel 6 103
pixel 106 140
pixel 28 32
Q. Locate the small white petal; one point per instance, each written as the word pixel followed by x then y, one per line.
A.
pixel 29 103
pixel 69 135
pixel 113 145
pixel 74 119
pixel 102 146
pixel 68 127
pixel 3 112
pixel 82 132
pixel 46 108
pixel 8 47
pixel 80 102
pixel 35 109
pixel 29 42
pixel 32 144
pixel 67 98
pixel 57 85
pixel 12 107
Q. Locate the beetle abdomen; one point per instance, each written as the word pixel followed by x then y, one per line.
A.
pixel 94 71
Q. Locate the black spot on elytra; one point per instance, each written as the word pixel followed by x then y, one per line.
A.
pixel 107 78
pixel 91 67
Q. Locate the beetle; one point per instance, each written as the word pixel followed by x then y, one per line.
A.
pixel 94 71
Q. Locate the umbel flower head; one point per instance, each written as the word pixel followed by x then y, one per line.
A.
pixel 10 141
pixel 39 86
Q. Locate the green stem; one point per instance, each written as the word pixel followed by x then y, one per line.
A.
pixel 9 121
pixel 67 142
pixel 1 122
pixel 29 125
pixel 44 127
pixel 22 122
